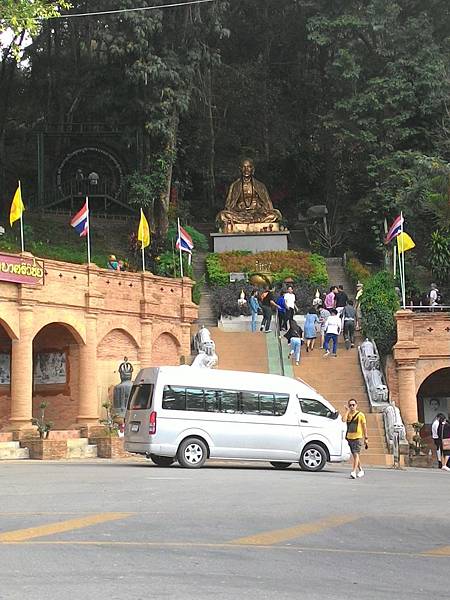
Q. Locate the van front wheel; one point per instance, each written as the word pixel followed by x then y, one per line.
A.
pixel 192 453
pixel 313 458
pixel 162 461
pixel 280 465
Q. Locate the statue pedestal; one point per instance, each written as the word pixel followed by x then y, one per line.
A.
pixel 260 241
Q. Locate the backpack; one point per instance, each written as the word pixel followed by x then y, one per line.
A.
pixel 439 298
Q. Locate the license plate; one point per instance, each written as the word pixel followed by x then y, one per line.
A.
pixel 134 427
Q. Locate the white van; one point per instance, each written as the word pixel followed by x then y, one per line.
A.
pixel 190 415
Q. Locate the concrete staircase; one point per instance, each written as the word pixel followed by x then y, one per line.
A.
pixel 337 380
pixel 80 448
pixel 12 451
pixel 206 314
pixel 241 351
pixel 338 276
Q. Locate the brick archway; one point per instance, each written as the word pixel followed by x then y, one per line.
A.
pixel 433 395
pixel 56 365
pixel 166 350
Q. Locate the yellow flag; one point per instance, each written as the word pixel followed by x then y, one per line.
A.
pixel 404 242
pixel 143 231
pixel 17 206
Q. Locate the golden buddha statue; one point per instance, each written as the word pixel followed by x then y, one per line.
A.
pixel 248 206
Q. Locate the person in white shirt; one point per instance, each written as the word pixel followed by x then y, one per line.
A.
pixel 289 300
pixel 433 295
pixel 332 330
pixel 435 435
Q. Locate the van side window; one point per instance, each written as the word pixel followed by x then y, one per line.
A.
pixel 228 401
pixel 281 403
pixel 194 399
pixel 249 403
pixel 174 398
pixel 315 407
pixel 266 402
pixel 141 396
pixel 211 401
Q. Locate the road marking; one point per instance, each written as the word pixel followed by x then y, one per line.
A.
pixel 222 546
pixel 23 535
pixel 443 551
pixel 281 535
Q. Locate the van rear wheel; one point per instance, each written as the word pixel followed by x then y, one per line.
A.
pixel 280 465
pixel 162 461
pixel 313 458
pixel 192 453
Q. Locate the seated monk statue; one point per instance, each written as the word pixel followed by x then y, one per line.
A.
pixel 248 206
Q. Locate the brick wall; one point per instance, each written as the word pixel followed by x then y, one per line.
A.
pixel 166 351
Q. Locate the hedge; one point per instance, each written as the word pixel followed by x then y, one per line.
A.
pixel 300 266
pixel 379 302
pixel 356 271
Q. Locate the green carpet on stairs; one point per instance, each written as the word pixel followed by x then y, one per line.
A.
pixel 273 356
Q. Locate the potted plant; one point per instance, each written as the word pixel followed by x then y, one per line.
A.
pixel 44 448
pixel 418 456
pixel 109 443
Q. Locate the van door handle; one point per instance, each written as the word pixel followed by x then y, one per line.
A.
pixel 303 421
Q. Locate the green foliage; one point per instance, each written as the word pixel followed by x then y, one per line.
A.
pixel 146 188
pixel 320 275
pixel 43 426
pixel 379 302
pixel 356 271
pixel 110 420
pixel 300 266
pixel 55 252
pixel 197 290
pixel 439 256
pixel 168 265
pixel 216 274
pixel 23 15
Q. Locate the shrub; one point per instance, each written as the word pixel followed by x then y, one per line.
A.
pixel 439 256
pixel 167 264
pixel 379 302
pixel 297 265
pixel 356 271
pixel 197 290
pixel 217 275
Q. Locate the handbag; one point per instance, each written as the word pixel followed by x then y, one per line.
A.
pixel 446 444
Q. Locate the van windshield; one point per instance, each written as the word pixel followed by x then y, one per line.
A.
pixel 141 396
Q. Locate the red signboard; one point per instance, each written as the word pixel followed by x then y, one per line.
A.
pixel 17 269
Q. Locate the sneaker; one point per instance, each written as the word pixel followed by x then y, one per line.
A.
pixel 327 353
pixel 445 468
pixel 297 363
pixel 334 355
pixel 361 473
pixel 268 331
pixel 353 475
pixel 291 353
pixel 261 328
pixel 352 345
pixel 347 344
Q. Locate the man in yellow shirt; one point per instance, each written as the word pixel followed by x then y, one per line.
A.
pixel 356 431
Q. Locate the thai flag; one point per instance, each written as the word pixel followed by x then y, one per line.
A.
pixel 395 229
pixel 184 241
pixel 80 222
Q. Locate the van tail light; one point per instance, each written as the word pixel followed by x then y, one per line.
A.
pixel 152 423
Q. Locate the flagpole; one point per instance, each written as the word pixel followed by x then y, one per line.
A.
pixel 143 257
pixel 395 259
pixel 88 232
pixel 21 222
pixel 179 248
pixel 403 265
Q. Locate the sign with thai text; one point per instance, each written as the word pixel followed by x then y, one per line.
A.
pixel 18 269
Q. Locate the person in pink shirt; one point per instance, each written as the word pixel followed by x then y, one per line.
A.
pixel 330 298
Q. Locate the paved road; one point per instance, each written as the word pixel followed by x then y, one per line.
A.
pixel 126 529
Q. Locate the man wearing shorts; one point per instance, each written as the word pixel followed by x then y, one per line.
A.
pixel 356 432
